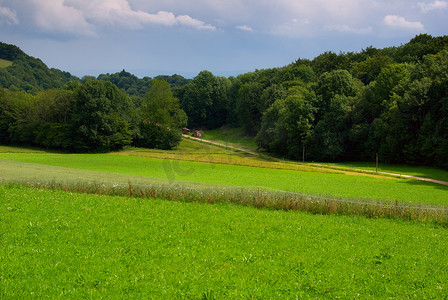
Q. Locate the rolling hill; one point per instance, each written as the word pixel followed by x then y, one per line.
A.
pixel 19 71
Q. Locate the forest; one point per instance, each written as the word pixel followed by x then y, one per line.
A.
pixel 335 107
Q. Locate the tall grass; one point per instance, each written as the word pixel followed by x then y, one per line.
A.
pixel 259 198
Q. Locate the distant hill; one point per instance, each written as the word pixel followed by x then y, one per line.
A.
pixel 136 86
pixel 19 71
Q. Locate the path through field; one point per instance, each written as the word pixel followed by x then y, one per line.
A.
pixel 327 166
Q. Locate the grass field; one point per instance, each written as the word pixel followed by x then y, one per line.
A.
pixel 419 171
pixel 57 244
pixel 236 137
pixel 5 63
pixel 23 165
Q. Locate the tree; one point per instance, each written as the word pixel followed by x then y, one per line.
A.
pixel 159 118
pixel 13 107
pixel 204 100
pixel 287 125
pixel 270 95
pixel 101 117
pixel 369 69
pixel 334 92
pixel 247 106
pixel 329 61
pixel 55 109
pixel 331 132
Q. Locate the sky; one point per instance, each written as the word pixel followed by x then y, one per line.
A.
pixel 226 37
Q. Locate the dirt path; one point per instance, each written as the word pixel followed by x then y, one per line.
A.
pixel 328 166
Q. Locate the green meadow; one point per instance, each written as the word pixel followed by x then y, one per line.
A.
pixel 66 244
pixel 172 171
pixel 419 171
pixel 57 244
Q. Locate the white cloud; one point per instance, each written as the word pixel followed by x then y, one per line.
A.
pixel 244 28
pixel 8 15
pixel 400 22
pixel 55 16
pixel 433 6
pixel 119 12
pixel 85 17
pixel 189 21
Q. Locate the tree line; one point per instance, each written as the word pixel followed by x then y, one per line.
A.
pixel 346 106
pixel 337 107
pixel 95 116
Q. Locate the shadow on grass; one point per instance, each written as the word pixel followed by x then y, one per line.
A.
pixel 415 182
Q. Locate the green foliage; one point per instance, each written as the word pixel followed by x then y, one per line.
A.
pixel 389 101
pixel 159 118
pixel 45 119
pixel 286 125
pixel 128 82
pixel 10 52
pixel 329 61
pixel 205 100
pixel 27 73
pixel 419 46
pixel 135 86
pixel 13 107
pixel 247 106
pixel 101 117
pixel 367 70
pixel 92 117
pixel 175 80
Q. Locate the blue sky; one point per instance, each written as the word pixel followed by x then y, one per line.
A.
pixel 226 37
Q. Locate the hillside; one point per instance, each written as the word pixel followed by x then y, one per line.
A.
pixel 19 71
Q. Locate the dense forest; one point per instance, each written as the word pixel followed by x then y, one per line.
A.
pixel 346 106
